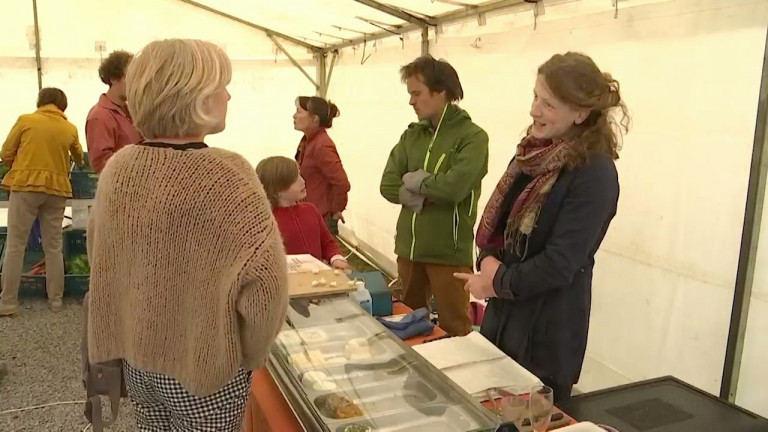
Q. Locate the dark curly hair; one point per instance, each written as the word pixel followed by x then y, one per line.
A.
pixel 113 67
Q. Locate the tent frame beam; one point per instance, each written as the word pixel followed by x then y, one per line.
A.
pixel 267 31
pixel 397 13
pixel 750 236
pixel 449 17
pixel 293 60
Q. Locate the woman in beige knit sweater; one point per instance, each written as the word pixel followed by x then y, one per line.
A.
pixel 188 272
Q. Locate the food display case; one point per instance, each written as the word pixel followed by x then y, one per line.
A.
pixel 342 371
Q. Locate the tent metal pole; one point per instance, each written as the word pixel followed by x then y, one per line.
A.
pixel 293 60
pixel 322 89
pixel 37 48
pixel 334 59
pixel 749 242
pixel 424 41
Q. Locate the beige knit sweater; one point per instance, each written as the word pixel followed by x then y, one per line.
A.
pixel 188 271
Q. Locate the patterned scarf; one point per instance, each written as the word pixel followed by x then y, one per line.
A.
pixel 541 159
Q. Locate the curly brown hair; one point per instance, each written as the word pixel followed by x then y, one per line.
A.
pixel 113 67
pixel 575 79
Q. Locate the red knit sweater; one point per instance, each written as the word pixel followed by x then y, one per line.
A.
pixel 305 232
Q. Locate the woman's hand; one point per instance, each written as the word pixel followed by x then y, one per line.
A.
pixel 478 284
pixel 340 264
pixel 489 266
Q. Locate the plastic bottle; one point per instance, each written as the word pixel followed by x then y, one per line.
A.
pixel 362 296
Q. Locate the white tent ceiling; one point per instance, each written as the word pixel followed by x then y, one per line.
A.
pixel 327 23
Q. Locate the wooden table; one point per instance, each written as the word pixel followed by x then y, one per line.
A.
pixel 268 411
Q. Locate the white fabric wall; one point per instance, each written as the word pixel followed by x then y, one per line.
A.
pixel 264 85
pixel 690 72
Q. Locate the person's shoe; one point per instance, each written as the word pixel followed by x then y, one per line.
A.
pixel 56 305
pixel 8 310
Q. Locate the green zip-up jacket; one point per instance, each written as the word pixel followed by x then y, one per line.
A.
pixel 443 232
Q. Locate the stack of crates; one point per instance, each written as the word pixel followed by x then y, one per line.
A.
pixel 75 285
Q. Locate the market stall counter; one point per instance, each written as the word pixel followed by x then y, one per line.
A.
pixel 339 370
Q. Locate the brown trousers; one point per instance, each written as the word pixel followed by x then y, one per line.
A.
pixel 23 209
pixel 421 280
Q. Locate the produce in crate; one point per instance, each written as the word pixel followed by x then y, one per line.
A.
pixel 37 269
pixel 4 170
pixel 78 265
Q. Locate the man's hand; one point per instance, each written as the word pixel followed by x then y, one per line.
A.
pixel 411 200
pixel 412 180
pixel 339 217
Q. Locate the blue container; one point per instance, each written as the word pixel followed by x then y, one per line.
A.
pixel 381 296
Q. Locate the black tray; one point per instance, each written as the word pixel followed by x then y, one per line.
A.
pixel 662 405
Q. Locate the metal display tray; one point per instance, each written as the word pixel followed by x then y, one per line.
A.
pixel 391 388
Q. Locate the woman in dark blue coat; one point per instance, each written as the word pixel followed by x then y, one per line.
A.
pixel 546 219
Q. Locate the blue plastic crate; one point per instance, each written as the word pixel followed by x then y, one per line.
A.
pixel 83 184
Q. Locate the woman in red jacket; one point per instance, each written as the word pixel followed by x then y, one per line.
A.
pixel 326 181
pixel 300 223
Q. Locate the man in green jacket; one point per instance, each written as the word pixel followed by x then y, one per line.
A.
pixel 434 173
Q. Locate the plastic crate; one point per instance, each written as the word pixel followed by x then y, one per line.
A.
pixel 83 184
pixel 30 285
pixel 4 195
pixel 73 244
pixel 35 285
pixel 87 168
pixel 76 285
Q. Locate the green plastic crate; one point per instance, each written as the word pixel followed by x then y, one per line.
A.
pixel 87 168
pixel 4 196
pixel 73 244
pixel 83 184
pixel 30 285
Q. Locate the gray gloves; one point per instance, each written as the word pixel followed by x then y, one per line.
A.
pixel 409 192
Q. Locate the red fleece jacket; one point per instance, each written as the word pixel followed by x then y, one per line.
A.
pixel 305 232
pixel 327 182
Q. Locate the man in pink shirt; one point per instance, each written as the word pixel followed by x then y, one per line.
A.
pixel 109 126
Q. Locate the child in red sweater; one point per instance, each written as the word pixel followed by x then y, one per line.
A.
pixel 303 229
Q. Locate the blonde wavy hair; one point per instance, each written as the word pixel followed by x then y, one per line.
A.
pixel 168 85
pixel 575 79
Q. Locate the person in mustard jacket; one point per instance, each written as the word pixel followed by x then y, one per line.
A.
pixel 38 151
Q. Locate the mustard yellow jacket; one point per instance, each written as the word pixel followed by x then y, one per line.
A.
pixel 38 149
